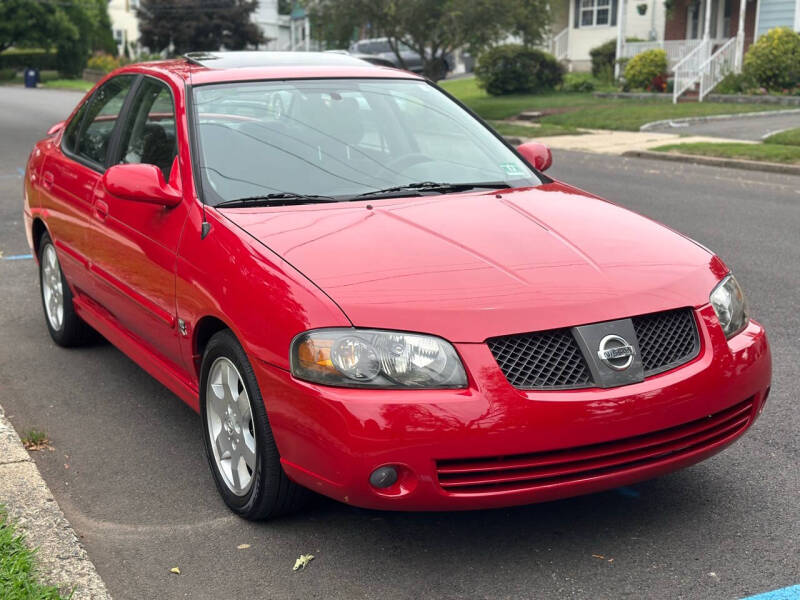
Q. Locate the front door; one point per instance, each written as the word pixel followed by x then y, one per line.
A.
pixel 70 176
pixel 134 245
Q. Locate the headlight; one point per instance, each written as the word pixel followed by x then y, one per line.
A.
pixel 730 305
pixel 376 359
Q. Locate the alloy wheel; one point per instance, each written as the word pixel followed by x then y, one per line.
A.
pixel 231 431
pixel 52 288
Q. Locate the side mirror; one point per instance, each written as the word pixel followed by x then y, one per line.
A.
pixel 537 155
pixel 142 183
pixel 56 128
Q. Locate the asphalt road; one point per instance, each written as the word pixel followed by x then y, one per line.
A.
pixel 741 128
pixel 129 473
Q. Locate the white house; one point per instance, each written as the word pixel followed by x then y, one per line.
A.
pixel 581 25
pixel 704 39
pixel 125 24
pixel 283 32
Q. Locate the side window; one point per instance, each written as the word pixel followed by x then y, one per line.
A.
pixel 101 118
pixel 71 132
pixel 148 134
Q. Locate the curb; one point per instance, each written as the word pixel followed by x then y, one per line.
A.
pixel 60 557
pixel 748 115
pixel 731 163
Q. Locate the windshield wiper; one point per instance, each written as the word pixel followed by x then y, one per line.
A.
pixel 277 199
pixel 437 187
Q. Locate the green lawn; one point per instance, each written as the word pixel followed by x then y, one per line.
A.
pixel 528 131
pixel 584 110
pixel 69 84
pixel 777 153
pixel 17 577
pixel 790 137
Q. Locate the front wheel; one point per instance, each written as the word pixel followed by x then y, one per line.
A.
pixel 241 450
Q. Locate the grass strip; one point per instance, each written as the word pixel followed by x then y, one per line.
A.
pixel 790 137
pixel 17 567
pixel 775 153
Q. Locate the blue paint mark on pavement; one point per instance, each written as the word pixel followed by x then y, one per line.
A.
pixel 18 257
pixel 21 171
pixel 788 593
pixel 629 492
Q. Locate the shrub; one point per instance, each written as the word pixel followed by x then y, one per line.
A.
pixel 512 68
pixel 735 83
pixel 7 74
pixel 603 57
pixel 101 61
pixel 578 82
pixel 643 69
pixel 773 61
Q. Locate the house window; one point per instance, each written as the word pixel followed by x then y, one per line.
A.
pixel 595 12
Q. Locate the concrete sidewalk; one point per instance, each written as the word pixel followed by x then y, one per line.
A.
pixel 61 560
pixel 620 142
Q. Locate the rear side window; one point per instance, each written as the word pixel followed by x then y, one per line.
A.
pixel 101 118
pixel 148 133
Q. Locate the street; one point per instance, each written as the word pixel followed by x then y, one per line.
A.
pixel 752 128
pixel 129 473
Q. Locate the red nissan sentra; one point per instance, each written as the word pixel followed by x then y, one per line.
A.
pixel 365 292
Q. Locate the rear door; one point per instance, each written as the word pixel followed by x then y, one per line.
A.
pixel 70 175
pixel 133 245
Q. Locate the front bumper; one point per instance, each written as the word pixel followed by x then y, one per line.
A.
pixel 578 441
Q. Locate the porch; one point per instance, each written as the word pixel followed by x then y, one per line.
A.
pixel 704 40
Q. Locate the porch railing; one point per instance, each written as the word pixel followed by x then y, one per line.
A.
pixel 558 45
pixel 687 70
pixel 718 65
pixel 676 49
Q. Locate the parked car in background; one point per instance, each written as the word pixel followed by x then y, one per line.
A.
pixel 366 292
pixel 372 59
pixel 412 61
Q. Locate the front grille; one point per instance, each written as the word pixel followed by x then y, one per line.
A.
pixel 552 360
pixel 544 360
pixel 543 469
pixel 666 339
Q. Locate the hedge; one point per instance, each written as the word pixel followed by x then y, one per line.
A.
pixel 21 59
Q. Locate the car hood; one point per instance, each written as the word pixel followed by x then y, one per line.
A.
pixel 472 266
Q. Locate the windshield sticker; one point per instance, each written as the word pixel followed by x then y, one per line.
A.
pixel 511 169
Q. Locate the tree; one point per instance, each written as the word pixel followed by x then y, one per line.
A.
pixel 91 31
pixel 32 23
pixel 74 28
pixel 432 28
pixel 191 25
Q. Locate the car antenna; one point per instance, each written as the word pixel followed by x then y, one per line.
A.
pixel 205 226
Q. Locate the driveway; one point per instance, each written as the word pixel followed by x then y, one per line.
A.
pixel 129 473
pixel 741 128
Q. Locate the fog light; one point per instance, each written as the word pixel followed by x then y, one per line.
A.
pixel 383 477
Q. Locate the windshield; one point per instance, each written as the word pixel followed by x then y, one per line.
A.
pixel 341 138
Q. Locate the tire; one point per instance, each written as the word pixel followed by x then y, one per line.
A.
pixel 240 448
pixel 65 326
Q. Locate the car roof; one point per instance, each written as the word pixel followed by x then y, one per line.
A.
pixel 199 68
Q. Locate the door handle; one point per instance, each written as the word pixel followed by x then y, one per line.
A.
pixel 47 180
pixel 100 209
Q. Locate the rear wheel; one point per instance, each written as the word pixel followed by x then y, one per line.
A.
pixel 241 450
pixel 65 326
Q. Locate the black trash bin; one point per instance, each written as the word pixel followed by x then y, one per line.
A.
pixel 31 78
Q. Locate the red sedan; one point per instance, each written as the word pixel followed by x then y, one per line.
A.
pixel 365 292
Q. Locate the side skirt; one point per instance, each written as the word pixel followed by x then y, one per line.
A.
pixel 98 317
